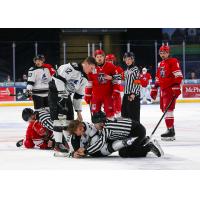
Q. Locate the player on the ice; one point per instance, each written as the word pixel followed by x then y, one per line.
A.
pixel 39 77
pixel 131 98
pixel 69 79
pixel 145 80
pixel 103 86
pixel 168 78
pixel 117 101
pixel 105 137
pixel 39 132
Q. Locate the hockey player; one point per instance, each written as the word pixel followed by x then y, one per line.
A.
pixel 37 133
pixel 117 101
pixel 131 98
pixel 145 80
pixel 70 79
pixel 39 77
pixel 106 137
pixel 168 78
pixel 103 86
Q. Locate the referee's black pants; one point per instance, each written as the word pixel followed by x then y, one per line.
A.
pixel 131 109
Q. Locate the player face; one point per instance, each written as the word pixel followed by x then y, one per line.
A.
pixel 88 68
pixel 110 61
pixel 164 54
pixel 129 61
pixel 32 118
pixel 39 63
pixel 80 130
pixel 99 59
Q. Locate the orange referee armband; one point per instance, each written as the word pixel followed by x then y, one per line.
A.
pixel 137 82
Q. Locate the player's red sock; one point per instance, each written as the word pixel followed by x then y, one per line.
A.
pixel 169 119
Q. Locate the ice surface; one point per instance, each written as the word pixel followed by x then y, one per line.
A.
pixel 184 153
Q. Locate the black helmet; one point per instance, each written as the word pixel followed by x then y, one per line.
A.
pixel 98 117
pixel 129 55
pixel 27 113
pixel 39 57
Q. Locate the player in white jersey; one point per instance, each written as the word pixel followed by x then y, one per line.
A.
pixel 101 139
pixel 38 83
pixel 69 79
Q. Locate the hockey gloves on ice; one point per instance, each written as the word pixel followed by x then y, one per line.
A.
pixel 154 92
pixel 176 90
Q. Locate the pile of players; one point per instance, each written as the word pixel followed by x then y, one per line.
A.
pixel 98 80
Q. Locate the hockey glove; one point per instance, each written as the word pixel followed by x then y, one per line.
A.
pixel 176 90
pixel 154 92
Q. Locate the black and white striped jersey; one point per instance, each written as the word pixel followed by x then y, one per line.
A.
pixel 131 74
pixel 44 118
pixel 113 130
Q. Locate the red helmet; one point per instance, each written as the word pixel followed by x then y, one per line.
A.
pixel 110 57
pixel 165 48
pixel 99 52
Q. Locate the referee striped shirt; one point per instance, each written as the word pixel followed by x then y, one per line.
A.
pixel 113 130
pixel 132 74
pixel 44 118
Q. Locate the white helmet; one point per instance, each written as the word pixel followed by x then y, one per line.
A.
pixel 144 69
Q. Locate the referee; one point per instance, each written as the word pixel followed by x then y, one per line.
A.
pixel 131 98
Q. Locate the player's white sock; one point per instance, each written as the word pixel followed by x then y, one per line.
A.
pixel 57 136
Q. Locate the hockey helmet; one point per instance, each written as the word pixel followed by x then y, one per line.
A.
pixel 129 55
pixel 164 47
pixel 110 57
pixel 144 69
pixel 98 117
pixel 39 57
pixel 99 52
pixel 27 113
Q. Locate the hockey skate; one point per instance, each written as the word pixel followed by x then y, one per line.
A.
pixel 61 150
pixel 169 135
pixel 155 148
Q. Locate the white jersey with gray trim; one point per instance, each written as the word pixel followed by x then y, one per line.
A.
pixel 38 81
pixel 69 79
pixel 113 130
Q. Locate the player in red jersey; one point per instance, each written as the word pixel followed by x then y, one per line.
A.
pixel 117 101
pixel 36 134
pixel 103 86
pixel 168 78
pixel 145 80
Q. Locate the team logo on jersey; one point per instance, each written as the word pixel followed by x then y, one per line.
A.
pixel 162 72
pixel 44 78
pixel 101 78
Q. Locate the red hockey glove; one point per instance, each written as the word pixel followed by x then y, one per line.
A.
pixel 50 68
pixel 88 99
pixel 154 92
pixel 176 90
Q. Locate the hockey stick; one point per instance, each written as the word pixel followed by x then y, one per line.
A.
pixel 19 143
pixel 170 103
pixel 24 95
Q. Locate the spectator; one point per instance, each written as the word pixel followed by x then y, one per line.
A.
pixel 24 78
pixel 193 75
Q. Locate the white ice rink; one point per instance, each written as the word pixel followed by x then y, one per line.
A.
pixel 184 153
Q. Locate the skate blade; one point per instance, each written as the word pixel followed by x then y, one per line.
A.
pixel 168 138
pixel 61 154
